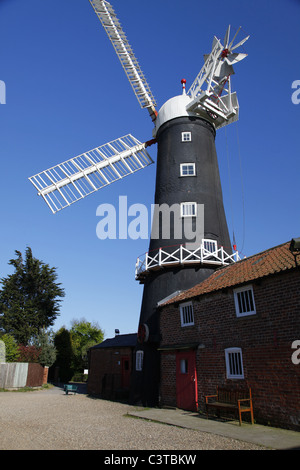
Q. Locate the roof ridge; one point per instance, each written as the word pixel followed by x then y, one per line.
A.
pixel 218 279
pixel 261 252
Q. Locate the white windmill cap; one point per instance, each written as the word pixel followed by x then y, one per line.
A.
pixel 173 108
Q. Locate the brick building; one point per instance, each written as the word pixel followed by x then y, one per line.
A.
pixel 110 366
pixel 238 329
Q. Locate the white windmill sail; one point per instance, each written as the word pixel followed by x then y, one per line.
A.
pixel 113 28
pixel 74 179
pixel 211 90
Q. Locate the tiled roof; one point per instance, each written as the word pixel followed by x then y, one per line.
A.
pixel 119 341
pixel 271 261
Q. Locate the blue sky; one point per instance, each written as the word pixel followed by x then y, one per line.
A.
pixel 67 93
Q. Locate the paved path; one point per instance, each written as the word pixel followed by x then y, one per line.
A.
pixel 273 438
pixel 52 420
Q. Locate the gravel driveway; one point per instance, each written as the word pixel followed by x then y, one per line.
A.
pixel 51 420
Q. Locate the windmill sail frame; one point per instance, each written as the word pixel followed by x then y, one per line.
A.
pixel 113 29
pixel 63 184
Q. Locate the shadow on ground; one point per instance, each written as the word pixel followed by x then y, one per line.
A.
pixel 81 387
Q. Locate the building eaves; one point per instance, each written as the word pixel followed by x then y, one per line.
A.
pixel 119 341
pixel 271 261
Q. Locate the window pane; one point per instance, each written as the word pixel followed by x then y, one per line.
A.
pixel 210 245
pixel 244 301
pixel 187 314
pixel 251 301
pixel 184 366
pixel 186 136
pixel 139 360
pixel 234 365
pixel 187 169
pixel 188 209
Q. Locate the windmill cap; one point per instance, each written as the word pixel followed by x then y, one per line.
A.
pixel 173 108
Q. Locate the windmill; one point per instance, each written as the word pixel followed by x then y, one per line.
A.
pixel 187 180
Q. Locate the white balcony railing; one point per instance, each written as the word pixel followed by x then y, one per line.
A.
pixel 182 255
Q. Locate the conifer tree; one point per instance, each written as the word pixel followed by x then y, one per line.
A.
pixel 29 298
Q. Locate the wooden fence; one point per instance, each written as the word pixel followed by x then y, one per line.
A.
pixel 22 374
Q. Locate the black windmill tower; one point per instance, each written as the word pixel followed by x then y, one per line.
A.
pixel 189 237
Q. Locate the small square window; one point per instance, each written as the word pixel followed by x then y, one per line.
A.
pixel 188 209
pixel 186 314
pixel 234 363
pixel 244 301
pixel 186 136
pixel 187 169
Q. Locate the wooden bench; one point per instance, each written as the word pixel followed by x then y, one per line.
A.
pixel 226 399
pixel 70 388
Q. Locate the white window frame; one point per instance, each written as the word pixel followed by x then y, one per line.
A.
pixel 139 359
pixel 186 136
pixel 188 209
pixel 186 314
pixel 234 363
pixel 243 298
pixel 210 245
pixel 187 167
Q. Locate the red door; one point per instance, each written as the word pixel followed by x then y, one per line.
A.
pixel 186 381
pixel 125 371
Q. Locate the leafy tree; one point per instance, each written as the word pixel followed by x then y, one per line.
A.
pixel 84 335
pixel 2 351
pixel 44 342
pixel 28 353
pixel 29 298
pixel 11 348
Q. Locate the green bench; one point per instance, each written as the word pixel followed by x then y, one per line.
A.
pixel 70 388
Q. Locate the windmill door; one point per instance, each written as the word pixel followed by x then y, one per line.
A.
pixel 125 372
pixel 186 381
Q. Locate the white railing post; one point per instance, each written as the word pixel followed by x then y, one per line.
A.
pixel 146 262
pixel 137 267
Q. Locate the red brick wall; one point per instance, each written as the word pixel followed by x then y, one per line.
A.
pixel 105 370
pixel 265 340
pixel 168 378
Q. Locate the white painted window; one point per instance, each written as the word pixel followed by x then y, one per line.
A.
pixel 186 136
pixel 186 314
pixel 244 301
pixel 234 363
pixel 139 360
pixel 209 245
pixel 187 169
pixel 188 209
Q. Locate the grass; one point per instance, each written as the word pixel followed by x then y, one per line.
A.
pixel 27 389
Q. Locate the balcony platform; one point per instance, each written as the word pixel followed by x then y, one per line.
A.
pixel 167 257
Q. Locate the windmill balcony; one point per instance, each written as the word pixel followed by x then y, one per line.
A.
pixel 207 254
